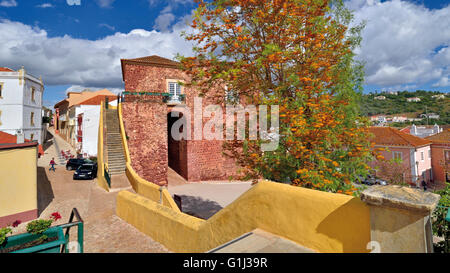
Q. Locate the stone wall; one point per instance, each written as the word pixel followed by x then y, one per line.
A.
pixel 145 124
pixel 199 160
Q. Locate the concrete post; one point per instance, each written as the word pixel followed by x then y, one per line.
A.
pixel 400 218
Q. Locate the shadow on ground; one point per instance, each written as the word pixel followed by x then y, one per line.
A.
pixel 45 193
pixel 199 207
pixel 48 142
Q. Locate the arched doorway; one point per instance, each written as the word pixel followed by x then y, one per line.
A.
pixel 177 149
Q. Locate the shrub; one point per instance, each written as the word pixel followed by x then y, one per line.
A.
pixel 440 225
pixel 3 232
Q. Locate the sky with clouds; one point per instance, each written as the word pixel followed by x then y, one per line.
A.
pixel 74 44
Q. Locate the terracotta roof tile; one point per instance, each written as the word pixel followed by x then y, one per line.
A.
pixel 443 137
pixel 8 141
pixel 155 60
pixel 5 69
pixel 87 98
pixel 388 136
pixel 87 95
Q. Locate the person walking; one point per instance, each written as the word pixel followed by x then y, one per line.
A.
pixel 424 185
pixel 52 164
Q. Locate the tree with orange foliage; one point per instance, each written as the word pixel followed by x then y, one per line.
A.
pixel 297 54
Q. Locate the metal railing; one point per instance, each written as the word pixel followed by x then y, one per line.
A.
pixel 106 174
pixel 167 97
pixel 80 231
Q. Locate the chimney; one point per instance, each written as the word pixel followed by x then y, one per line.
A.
pixel 20 137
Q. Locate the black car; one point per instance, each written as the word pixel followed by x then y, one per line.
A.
pixel 86 171
pixel 74 163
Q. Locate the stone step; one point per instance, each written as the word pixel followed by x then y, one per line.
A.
pixel 116 168
pixel 116 155
pixel 114 144
pixel 116 160
pixel 118 149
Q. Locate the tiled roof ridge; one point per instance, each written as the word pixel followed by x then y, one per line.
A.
pixel 398 133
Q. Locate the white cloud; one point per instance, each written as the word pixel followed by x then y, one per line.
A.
pixel 105 3
pixel 8 3
pixel 400 42
pixel 45 5
pixel 443 82
pixel 164 19
pixel 69 61
pixel 79 88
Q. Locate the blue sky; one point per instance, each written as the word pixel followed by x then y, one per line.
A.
pixel 406 43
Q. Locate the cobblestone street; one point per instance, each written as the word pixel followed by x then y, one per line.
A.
pixel 104 232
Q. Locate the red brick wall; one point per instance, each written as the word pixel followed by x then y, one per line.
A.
pixel 199 160
pixel 438 161
pixel 146 127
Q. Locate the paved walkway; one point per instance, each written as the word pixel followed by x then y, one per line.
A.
pixel 104 231
pixel 204 199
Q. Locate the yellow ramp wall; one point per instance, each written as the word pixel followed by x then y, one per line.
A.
pixel 101 180
pixel 321 221
pixel 18 180
pixel 325 222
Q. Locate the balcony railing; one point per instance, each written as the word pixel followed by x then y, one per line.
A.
pixel 167 97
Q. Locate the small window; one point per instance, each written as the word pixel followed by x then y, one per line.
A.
pixel 33 91
pixel 397 155
pixel 421 156
pixel 429 153
pixel 1 90
pixel 174 90
pixel 32 119
pixel 447 155
pixel 32 137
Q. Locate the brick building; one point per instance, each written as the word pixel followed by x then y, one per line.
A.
pixel 440 154
pixel 414 152
pixel 153 90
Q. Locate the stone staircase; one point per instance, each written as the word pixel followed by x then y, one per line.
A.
pixel 114 148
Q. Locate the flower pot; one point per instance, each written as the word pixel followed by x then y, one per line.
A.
pixel 49 247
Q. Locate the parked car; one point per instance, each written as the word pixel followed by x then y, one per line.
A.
pixel 86 171
pixel 74 163
pixel 371 180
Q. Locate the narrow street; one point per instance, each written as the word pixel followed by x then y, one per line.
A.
pixel 104 231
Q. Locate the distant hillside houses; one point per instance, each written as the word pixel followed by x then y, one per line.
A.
pixel 415 99
pixel 438 97
pixel 380 98
pixel 430 116
pixel 382 119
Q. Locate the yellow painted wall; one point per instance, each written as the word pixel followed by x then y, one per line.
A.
pixel 101 180
pixel 325 222
pixel 321 221
pixel 18 180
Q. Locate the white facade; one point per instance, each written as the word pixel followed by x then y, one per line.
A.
pixel 21 104
pixel 423 131
pixel 89 128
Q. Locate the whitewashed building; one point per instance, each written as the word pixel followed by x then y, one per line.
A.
pixel 21 96
pixel 415 99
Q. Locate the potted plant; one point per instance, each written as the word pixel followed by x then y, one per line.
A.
pixel 40 238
